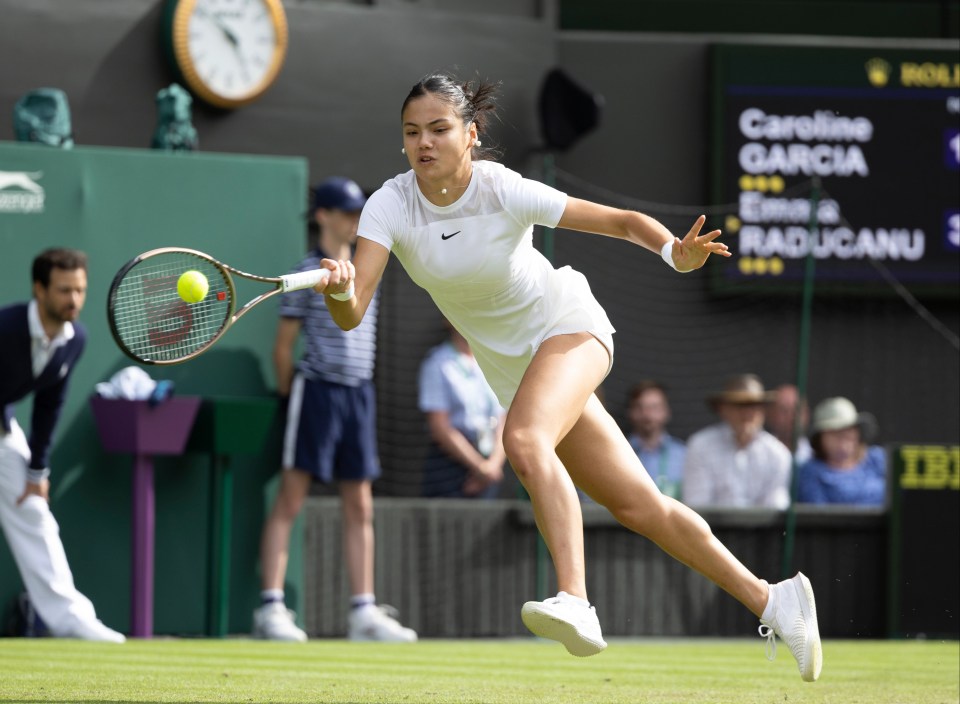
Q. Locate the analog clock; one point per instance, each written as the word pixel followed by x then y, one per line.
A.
pixel 228 52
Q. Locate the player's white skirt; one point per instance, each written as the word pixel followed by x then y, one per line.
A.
pixel 567 306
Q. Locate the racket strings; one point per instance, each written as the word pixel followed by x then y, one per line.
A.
pixel 154 323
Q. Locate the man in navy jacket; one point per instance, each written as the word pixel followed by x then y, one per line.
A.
pixel 40 342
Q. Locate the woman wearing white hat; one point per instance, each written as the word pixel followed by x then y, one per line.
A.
pixel 844 468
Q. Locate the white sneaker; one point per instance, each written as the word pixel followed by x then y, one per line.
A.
pixel 94 630
pixel 378 622
pixel 274 621
pixel 794 619
pixel 561 619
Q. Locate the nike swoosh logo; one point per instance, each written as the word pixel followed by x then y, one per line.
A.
pixel 446 237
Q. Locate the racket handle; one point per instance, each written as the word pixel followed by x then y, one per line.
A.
pixel 303 279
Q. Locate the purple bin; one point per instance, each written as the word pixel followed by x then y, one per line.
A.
pixel 144 430
pixel 138 428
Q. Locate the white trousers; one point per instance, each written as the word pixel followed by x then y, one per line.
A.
pixel 34 539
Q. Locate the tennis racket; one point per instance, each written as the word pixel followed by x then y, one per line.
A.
pixel 153 325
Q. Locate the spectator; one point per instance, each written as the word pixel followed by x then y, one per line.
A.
pixel 736 463
pixel 330 433
pixel 844 468
pixel 782 421
pixel 42 342
pixel 465 420
pixel 662 454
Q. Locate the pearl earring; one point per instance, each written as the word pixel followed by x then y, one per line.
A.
pixel 403 150
pixel 477 143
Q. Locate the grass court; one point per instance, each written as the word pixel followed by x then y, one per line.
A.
pixel 515 671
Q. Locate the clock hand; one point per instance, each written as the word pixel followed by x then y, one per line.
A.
pixel 221 25
pixel 231 37
pixel 235 43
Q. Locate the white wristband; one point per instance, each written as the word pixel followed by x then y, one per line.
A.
pixel 666 253
pixel 345 296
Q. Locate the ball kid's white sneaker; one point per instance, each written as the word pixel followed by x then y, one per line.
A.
pixel 791 613
pixel 567 619
pixel 378 622
pixel 274 621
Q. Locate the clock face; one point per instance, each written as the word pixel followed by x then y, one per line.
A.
pixel 229 51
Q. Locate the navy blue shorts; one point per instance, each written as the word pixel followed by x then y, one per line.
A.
pixel 332 430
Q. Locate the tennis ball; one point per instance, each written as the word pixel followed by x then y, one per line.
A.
pixel 192 286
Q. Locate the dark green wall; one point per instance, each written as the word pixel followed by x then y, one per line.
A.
pixel 114 204
pixel 928 19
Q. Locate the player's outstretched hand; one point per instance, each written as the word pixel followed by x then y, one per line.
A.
pixel 692 251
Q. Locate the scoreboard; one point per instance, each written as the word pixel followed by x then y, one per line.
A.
pixel 850 156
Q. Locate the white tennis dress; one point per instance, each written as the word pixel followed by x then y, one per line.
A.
pixel 477 261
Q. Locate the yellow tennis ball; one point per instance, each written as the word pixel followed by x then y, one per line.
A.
pixel 192 286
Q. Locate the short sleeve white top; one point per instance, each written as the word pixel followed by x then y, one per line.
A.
pixel 477 261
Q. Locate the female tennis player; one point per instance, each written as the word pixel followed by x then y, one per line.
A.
pixel 462 228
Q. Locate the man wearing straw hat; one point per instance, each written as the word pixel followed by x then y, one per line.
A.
pixel 736 463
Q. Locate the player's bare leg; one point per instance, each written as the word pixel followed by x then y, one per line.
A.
pixel 555 387
pixel 603 464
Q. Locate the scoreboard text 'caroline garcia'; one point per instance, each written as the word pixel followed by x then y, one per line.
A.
pixel 850 156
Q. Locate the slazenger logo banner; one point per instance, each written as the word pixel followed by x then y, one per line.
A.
pixel 20 192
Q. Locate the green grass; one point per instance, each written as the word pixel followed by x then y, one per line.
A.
pixel 488 671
